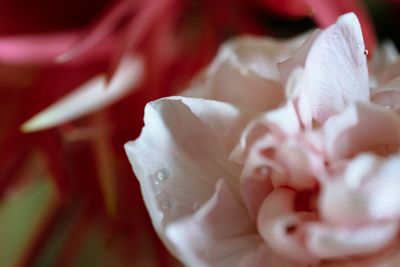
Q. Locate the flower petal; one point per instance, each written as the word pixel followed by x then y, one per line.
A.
pixel 265 257
pixel 388 95
pixel 281 226
pixel 282 121
pixel 385 64
pixel 338 67
pixel 330 242
pixel 210 237
pixel 245 73
pixel 362 127
pixel 367 191
pixel 91 96
pixel 180 155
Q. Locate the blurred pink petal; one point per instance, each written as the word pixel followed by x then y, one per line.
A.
pixel 91 96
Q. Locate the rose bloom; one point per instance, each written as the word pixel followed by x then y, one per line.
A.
pixel 288 164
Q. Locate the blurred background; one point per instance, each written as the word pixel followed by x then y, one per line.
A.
pixel 74 78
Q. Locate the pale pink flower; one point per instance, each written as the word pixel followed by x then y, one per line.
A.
pixel 295 164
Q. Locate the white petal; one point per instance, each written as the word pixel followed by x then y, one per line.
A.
pixel 91 96
pixel 245 73
pixel 180 155
pixel 217 235
pixel 338 67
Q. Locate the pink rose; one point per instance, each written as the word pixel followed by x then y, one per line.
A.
pixel 295 164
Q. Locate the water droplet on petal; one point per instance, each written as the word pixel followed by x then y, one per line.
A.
pixel 155 184
pixel 366 52
pixel 162 175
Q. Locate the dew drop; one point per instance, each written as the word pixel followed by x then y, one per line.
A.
pixel 162 175
pixel 366 52
pixel 156 184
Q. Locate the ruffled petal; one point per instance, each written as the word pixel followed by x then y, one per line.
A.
pixel 367 191
pixel 332 242
pixel 255 181
pixel 362 127
pixel 180 155
pixel 283 122
pixel 217 235
pixel 281 227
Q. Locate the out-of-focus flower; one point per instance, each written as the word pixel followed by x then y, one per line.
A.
pixel 294 164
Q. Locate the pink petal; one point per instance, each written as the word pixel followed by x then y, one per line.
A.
pixel 91 96
pixel 298 160
pixel 220 233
